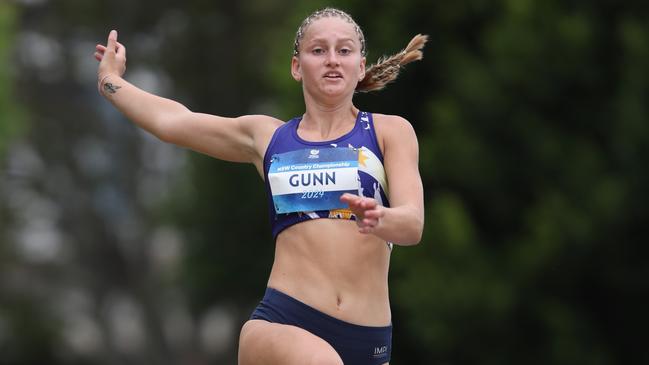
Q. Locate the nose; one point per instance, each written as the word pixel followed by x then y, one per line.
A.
pixel 332 58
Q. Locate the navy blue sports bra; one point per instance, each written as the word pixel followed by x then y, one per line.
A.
pixel 304 180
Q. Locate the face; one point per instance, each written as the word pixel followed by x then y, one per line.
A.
pixel 329 62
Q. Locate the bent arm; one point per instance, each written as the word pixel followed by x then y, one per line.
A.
pixel 403 222
pixel 401 225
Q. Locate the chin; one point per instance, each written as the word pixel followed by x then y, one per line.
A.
pixel 335 91
pixel 331 91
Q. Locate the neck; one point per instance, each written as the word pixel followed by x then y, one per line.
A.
pixel 326 121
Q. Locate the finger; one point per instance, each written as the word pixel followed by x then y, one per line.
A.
pixel 370 222
pixel 112 40
pixel 368 203
pixel 100 48
pixel 348 198
pixel 99 56
pixel 373 214
pixel 358 202
pixel 121 49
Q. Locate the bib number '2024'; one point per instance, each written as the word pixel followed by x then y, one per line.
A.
pixel 313 194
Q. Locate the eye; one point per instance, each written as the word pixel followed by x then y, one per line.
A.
pixel 345 51
pixel 318 51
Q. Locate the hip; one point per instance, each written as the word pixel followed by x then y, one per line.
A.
pixel 356 344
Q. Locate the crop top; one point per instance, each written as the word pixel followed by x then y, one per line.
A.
pixel 304 180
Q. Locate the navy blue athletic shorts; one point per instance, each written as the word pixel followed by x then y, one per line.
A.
pixel 356 345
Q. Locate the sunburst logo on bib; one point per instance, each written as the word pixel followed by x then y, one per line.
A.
pixel 370 164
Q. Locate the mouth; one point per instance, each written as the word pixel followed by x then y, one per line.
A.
pixel 333 75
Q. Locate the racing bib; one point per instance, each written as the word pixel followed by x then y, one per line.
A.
pixel 312 179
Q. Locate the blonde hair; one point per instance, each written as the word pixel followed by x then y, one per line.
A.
pixel 326 13
pixel 386 69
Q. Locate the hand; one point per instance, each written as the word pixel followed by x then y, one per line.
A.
pixel 112 57
pixel 368 211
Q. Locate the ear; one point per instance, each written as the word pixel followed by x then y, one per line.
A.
pixel 295 69
pixel 361 76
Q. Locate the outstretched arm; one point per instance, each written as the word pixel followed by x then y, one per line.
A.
pixel 241 139
pixel 403 222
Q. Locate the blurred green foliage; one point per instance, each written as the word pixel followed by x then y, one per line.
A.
pixel 533 126
pixel 11 118
pixel 26 333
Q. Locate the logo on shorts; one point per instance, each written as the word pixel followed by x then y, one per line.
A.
pixel 380 351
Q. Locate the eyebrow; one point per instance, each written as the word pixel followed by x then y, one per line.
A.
pixel 320 40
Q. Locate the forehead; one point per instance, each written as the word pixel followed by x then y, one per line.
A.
pixel 331 27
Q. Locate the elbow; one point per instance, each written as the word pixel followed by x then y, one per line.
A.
pixel 408 240
pixel 416 231
pixel 416 235
pixel 166 129
pixel 409 231
pixel 419 225
pixel 411 236
pixel 420 230
pixel 165 133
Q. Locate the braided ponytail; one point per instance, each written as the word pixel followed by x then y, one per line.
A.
pixel 386 69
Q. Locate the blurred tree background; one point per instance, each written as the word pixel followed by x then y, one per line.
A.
pixel 532 119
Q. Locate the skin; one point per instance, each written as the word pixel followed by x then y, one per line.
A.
pixel 339 267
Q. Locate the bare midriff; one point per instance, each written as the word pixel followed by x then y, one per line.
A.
pixel 330 266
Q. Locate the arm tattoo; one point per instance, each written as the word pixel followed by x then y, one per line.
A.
pixel 110 88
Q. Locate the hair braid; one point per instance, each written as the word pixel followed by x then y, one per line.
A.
pixel 386 69
pixel 325 13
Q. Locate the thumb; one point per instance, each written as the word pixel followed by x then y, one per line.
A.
pixel 112 41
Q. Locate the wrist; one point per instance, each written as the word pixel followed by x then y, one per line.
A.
pixel 102 80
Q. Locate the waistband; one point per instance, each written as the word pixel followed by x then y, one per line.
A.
pixel 288 310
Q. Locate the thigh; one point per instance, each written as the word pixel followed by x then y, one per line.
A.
pixel 265 343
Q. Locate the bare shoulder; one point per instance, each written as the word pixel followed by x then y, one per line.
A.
pixel 393 128
pixel 260 127
pixel 256 122
pixel 389 118
pixel 261 118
